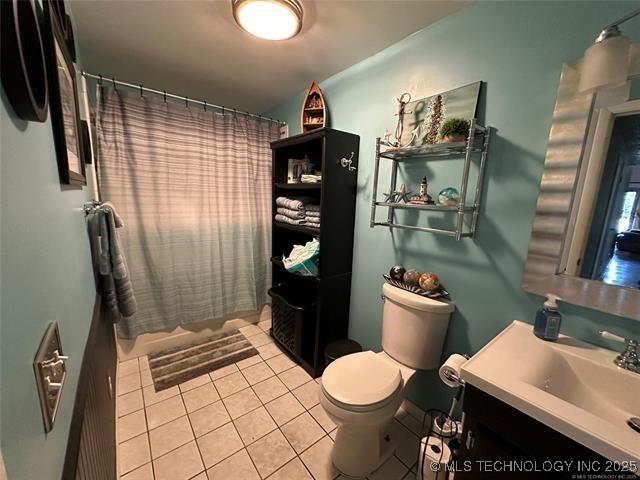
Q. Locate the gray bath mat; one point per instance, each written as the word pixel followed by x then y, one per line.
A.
pixel 179 364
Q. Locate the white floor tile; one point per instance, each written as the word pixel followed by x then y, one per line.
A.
pixel 247 362
pixel 145 378
pixel 318 460
pixel 195 382
pixel 254 425
pixel 280 363
pixel 209 418
pixel 133 453
pixel 284 408
pixel 294 377
pixel 129 383
pixel 221 443
pixel 130 402
pixel 259 339
pixel 308 394
pixel 128 367
pixel 392 469
pixel 200 397
pixel 294 470
pixel 270 389
pixel 408 444
pixel 131 425
pixel 223 372
pixel 302 432
pixel 180 464
pixel 230 384
pixel 265 325
pixel 270 453
pixel 241 403
pixel 250 330
pixel 144 472
pixel 151 396
pixel 269 350
pixel 165 411
pixel 143 362
pixel 170 436
pixel 237 467
pixel 322 418
pixel 257 373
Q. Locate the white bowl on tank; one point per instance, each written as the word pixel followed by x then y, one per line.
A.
pixel 361 392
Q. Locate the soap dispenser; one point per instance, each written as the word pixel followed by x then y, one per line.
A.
pixel 548 318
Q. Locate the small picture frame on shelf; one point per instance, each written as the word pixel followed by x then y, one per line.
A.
pixel 297 168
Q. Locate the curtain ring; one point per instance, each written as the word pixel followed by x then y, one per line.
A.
pixel 223 110
pixel 141 91
pixel 100 80
pixel 205 105
pixel 114 84
pixel 164 95
pixel 186 102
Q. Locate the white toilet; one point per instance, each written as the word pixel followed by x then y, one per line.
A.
pixel 361 392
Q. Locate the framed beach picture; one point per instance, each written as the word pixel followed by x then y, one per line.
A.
pixel 63 103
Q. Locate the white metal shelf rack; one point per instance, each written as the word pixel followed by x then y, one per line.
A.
pixel 477 144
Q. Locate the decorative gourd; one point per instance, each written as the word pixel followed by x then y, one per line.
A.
pixel 313 114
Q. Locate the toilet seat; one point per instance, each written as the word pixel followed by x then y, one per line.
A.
pixel 361 382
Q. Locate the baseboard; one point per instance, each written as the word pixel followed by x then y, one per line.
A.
pixel 156 341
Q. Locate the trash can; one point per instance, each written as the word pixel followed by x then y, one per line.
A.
pixel 340 348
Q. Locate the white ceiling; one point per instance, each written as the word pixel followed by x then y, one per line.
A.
pixel 195 48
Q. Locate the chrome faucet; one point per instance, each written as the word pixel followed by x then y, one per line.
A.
pixel 629 358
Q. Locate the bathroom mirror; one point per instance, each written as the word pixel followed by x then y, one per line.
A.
pixel 585 239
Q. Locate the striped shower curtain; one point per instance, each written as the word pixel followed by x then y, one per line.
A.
pixel 194 191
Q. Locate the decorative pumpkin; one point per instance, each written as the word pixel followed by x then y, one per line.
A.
pixel 412 278
pixel 429 281
pixel 397 272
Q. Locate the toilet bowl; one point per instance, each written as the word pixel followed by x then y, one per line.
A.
pixel 362 392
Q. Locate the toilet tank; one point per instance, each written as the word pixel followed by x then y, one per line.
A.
pixel 414 327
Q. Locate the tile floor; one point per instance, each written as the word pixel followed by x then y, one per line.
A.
pixel 259 418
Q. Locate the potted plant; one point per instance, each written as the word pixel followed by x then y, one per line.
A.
pixel 454 130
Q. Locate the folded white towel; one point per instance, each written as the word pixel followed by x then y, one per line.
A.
pixel 295 214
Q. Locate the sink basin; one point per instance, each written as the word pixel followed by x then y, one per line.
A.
pixel 571 386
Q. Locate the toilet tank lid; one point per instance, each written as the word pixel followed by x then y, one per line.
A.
pixel 418 302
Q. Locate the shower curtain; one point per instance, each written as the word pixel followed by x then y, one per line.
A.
pixel 194 190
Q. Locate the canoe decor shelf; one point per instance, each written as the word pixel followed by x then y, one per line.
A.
pixel 473 150
pixel 313 114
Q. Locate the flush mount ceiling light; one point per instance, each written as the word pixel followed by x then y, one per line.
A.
pixel 269 19
pixel 606 62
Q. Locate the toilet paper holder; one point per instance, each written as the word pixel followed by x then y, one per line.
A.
pixel 451 376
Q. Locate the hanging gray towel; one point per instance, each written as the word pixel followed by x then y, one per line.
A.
pixel 117 287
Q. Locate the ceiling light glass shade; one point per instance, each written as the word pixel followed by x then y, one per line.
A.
pixel 269 19
pixel 605 65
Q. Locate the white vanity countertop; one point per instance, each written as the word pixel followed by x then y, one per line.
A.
pixel 571 386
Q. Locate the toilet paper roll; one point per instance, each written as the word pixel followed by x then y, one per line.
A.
pixel 433 460
pixel 452 365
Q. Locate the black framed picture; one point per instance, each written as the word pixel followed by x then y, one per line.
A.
pixel 63 101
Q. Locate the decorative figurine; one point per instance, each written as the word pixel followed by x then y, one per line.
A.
pixel 402 104
pixel 390 197
pixel 423 198
pixel 411 278
pixel 429 281
pixel 403 194
pixel 449 197
pixel 397 273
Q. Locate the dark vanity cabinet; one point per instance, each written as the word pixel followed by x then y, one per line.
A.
pixel 495 434
pixel 310 311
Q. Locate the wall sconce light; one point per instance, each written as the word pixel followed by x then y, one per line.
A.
pixel 606 62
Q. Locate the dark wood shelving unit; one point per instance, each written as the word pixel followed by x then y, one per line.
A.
pixel 311 311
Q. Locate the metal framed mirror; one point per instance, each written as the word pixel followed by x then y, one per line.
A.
pixel 589 200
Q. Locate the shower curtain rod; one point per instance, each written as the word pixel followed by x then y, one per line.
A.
pixel 187 100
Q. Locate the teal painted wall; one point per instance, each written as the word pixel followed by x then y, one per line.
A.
pixel 46 276
pixel 518 49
